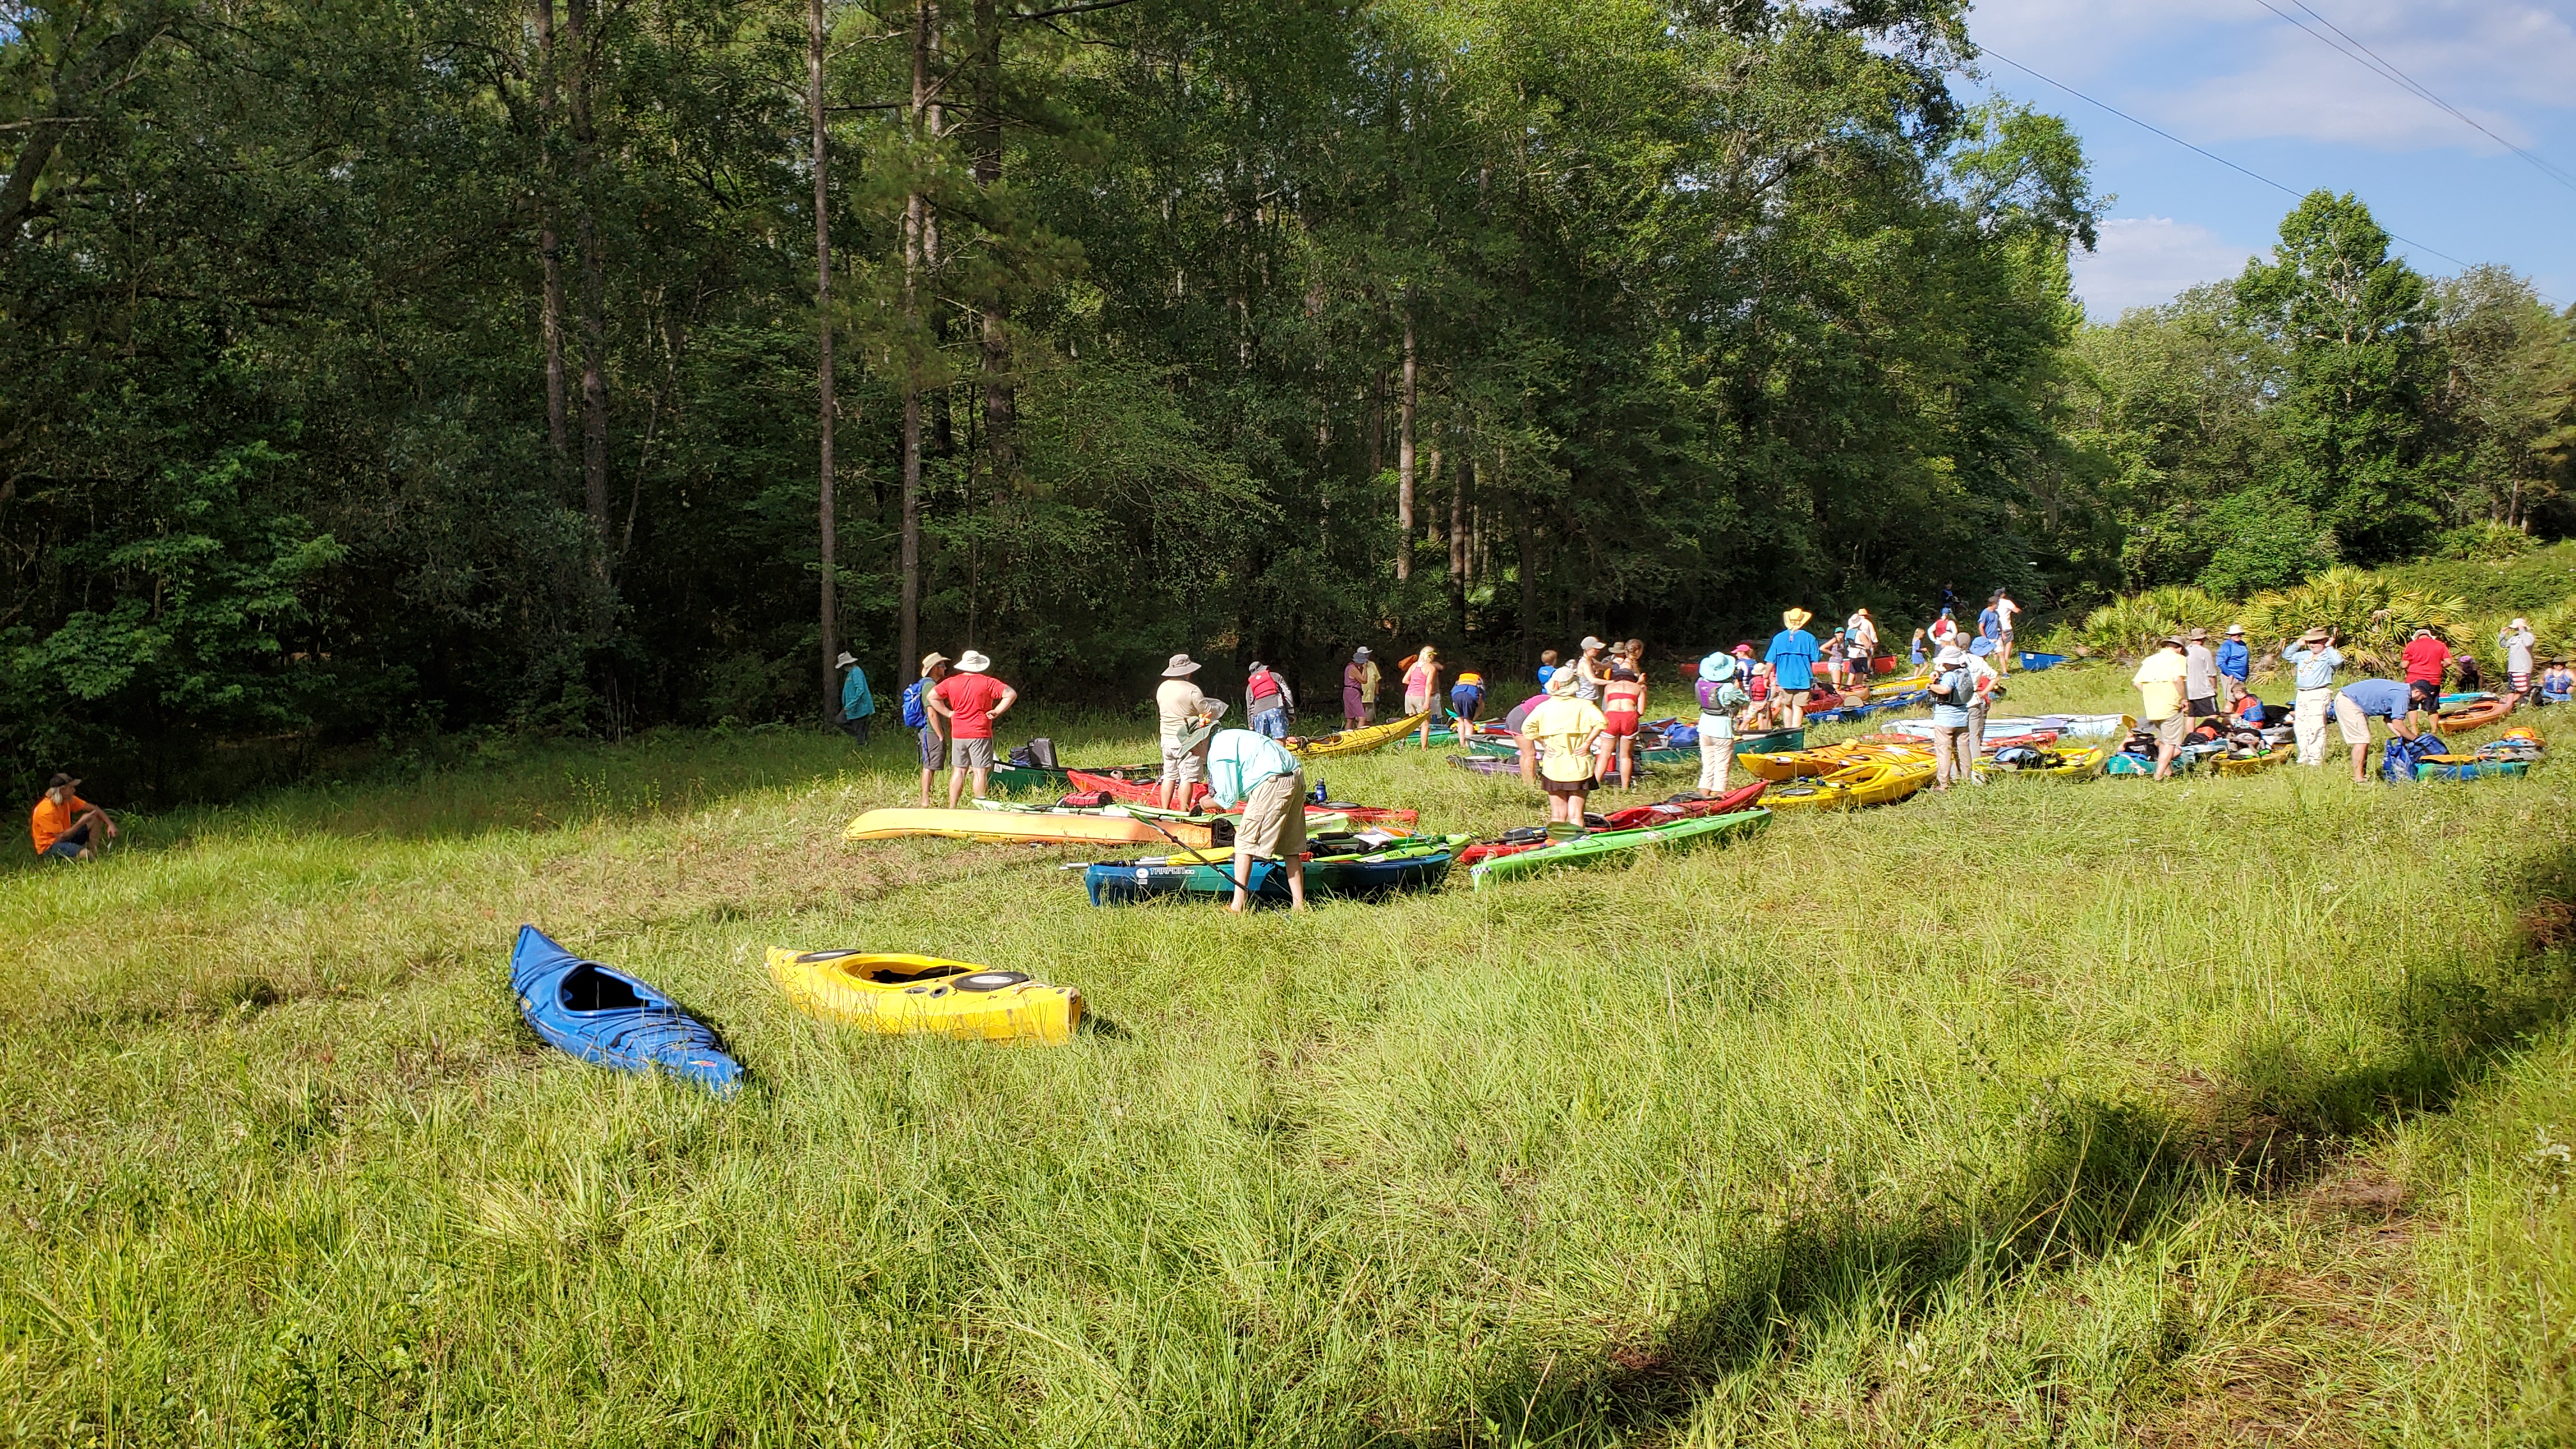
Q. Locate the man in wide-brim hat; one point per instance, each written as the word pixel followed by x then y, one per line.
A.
pixel 858 706
pixel 970 700
pixel 1257 773
pixel 2313 661
pixel 1177 703
pixel 1792 657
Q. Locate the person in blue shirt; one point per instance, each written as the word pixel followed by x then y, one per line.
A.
pixel 2235 666
pixel 1792 657
pixel 1467 700
pixel 1258 774
pixel 1990 620
pixel 2314 660
pixel 857 704
pixel 2557 683
pixel 1546 667
pixel 2360 702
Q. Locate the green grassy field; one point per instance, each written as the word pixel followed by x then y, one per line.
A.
pixel 2044 1113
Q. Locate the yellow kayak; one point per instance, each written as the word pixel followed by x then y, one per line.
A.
pixel 2072 764
pixel 2250 764
pixel 1826 759
pixel 1036 826
pixel 1870 782
pixel 1358 741
pixel 902 995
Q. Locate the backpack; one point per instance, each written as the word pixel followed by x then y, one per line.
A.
pixel 1718 696
pixel 2397 763
pixel 916 713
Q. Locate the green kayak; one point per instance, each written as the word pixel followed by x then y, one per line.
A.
pixel 1590 848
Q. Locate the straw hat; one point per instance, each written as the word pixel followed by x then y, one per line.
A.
pixel 2316 635
pixel 1181 667
pixel 1796 618
pixel 973 662
pixel 932 660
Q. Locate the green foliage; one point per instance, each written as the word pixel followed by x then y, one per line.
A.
pixel 2372 614
pixel 2132 625
pixel 2488 542
pixel 2261 540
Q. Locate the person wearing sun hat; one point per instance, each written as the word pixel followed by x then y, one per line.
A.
pixel 1177 703
pixel 1954 693
pixel 2235 666
pixel 970 700
pixel 2313 661
pixel 2160 701
pixel 1720 696
pixel 1560 744
pixel 2517 641
pixel 1256 773
pixel 1792 657
pixel 857 704
pixel 1359 689
pixel 919 702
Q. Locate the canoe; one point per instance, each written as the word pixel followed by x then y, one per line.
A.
pixel 1355 742
pixel 1590 848
pixel 2456 767
pixel 1682 807
pixel 2474 717
pixel 606 1017
pixel 1067 827
pixel 1770 742
pixel 1826 759
pixel 2249 764
pixel 906 995
pixel 1488 764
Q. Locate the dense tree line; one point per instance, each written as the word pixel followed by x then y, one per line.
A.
pixel 397 365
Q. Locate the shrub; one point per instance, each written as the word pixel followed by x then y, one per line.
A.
pixel 2127 628
pixel 2373 616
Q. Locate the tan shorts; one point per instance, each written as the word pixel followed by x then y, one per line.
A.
pixel 2171 729
pixel 1183 767
pixel 970 754
pixel 1274 819
pixel 2349 719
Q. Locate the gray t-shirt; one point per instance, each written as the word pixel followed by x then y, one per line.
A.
pixel 2199 672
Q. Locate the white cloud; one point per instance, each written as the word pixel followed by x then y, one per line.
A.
pixel 2232 69
pixel 2145 261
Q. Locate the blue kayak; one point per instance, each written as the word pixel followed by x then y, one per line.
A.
pixel 605 1016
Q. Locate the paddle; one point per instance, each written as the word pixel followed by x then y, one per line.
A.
pixel 1187 850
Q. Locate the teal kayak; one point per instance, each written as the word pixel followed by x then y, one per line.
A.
pixel 1589 848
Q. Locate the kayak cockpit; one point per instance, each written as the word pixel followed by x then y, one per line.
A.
pixel 885 970
pixel 591 987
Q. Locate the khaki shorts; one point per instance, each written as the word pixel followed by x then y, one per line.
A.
pixel 2171 729
pixel 1274 819
pixel 1183 767
pixel 970 754
pixel 2349 719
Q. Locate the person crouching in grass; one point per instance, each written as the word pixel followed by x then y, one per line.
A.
pixel 67 827
pixel 1257 773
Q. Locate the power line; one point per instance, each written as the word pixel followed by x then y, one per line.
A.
pixel 2372 61
pixel 2214 156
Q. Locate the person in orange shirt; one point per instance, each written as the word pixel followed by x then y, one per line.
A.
pixel 67 827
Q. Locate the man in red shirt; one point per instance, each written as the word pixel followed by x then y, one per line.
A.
pixel 2426 657
pixel 970 700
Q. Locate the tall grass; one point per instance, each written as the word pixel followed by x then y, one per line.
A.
pixel 2031 1114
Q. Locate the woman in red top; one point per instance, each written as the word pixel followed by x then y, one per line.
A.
pixel 1623 703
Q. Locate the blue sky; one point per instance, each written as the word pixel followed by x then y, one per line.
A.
pixel 2238 79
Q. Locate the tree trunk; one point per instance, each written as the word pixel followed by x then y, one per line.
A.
pixel 1404 461
pixel 1458 487
pixel 829 607
pixel 916 222
pixel 1001 400
pixel 550 311
pixel 1528 548
pixel 594 303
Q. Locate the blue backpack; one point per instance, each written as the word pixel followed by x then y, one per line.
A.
pixel 916 713
pixel 2397 763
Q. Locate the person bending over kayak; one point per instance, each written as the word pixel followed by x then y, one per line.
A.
pixel 1561 738
pixel 67 827
pixel 2359 702
pixel 1258 774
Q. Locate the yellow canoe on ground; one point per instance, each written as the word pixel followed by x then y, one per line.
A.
pixel 1356 742
pixel 2071 765
pixel 2249 764
pixel 1870 782
pixel 903 995
pixel 1031 826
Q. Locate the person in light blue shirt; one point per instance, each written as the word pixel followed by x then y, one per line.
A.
pixel 857 704
pixel 1792 658
pixel 2314 661
pixel 1257 774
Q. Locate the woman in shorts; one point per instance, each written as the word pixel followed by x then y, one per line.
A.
pixel 1623 704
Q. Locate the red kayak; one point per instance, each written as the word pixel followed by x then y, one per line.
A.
pixel 1150 792
pixel 1637 816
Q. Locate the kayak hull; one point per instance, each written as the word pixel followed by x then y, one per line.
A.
pixel 1356 742
pixel 905 995
pixel 610 1019
pixel 1036 827
pixel 1592 848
